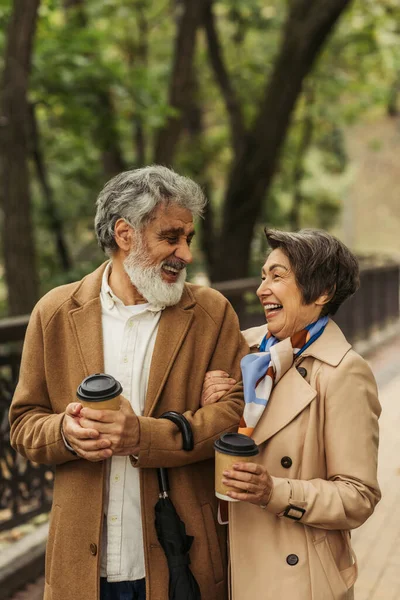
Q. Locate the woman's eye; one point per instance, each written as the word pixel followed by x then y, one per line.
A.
pixel 276 276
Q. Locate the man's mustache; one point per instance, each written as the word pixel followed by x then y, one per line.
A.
pixel 175 264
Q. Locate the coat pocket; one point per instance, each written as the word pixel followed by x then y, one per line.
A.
pixel 338 587
pixel 213 544
pixel 54 522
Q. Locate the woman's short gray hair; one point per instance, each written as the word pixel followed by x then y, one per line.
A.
pixel 321 263
pixel 134 195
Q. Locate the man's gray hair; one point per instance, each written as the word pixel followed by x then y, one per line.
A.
pixel 134 195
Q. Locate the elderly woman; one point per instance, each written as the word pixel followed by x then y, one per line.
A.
pixel 312 408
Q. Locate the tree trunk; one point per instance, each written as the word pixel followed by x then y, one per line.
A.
pixel 55 223
pixel 229 95
pixel 188 24
pixel 18 238
pixel 307 27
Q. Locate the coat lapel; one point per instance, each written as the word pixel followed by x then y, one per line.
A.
pixel 290 397
pixel 87 329
pixel 174 325
pixel 85 321
pixel 172 330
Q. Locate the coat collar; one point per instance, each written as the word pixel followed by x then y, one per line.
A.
pixel 293 393
pixel 86 324
pixel 329 348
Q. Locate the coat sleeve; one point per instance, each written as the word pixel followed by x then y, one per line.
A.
pixel 350 492
pixel 161 443
pixel 35 430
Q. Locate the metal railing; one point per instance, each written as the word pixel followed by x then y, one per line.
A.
pixel 25 488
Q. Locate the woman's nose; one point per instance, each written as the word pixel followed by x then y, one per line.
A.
pixel 263 289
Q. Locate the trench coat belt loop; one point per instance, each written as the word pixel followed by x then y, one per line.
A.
pixel 296 501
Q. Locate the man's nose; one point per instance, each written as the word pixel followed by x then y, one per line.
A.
pixel 184 253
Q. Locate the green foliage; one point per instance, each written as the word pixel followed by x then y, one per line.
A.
pixel 123 49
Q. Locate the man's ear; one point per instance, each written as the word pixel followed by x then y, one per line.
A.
pixel 123 235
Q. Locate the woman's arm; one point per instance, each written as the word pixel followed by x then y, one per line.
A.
pixel 350 493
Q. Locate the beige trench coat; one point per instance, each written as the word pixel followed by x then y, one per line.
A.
pixel 319 440
pixel 63 345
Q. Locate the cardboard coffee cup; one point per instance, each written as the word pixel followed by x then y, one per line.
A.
pixel 231 448
pixel 100 391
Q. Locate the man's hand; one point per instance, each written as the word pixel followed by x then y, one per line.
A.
pixel 216 384
pixel 86 442
pixel 119 427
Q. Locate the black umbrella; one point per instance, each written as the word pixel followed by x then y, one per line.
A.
pixel 171 531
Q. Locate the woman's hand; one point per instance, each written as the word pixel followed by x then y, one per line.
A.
pixel 252 482
pixel 216 384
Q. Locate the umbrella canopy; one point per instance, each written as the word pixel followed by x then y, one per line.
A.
pixel 171 531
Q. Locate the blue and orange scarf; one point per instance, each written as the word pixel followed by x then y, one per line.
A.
pixel 262 370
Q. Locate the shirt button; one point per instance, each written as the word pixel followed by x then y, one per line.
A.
pixel 302 371
pixel 93 549
pixel 286 462
pixel 125 360
pixel 292 559
pixel 114 519
pixel 117 478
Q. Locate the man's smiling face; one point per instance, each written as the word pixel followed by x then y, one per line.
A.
pixel 156 264
pixel 167 238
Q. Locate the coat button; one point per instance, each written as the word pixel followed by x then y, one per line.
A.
pixel 93 549
pixel 302 371
pixel 286 462
pixel 292 559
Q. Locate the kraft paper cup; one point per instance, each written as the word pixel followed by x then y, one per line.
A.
pixel 231 448
pixel 100 392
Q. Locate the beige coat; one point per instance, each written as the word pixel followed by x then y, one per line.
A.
pixel 325 424
pixel 63 345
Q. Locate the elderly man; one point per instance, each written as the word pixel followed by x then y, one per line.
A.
pixel 134 318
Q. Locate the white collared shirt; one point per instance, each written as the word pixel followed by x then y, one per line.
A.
pixel 129 334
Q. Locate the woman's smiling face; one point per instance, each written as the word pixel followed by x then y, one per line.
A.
pixel 282 299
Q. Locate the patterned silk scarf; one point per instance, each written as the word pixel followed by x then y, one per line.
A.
pixel 262 370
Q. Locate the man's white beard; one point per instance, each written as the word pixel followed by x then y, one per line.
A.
pixel 147 279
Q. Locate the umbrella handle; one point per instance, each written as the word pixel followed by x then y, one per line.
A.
pixel 184 427
pixel 163 482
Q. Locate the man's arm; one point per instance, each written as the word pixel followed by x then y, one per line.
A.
pixel 36 430
pixel 160 440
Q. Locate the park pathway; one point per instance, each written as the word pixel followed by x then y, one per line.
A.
pixel 377 542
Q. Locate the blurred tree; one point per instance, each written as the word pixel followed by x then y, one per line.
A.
pixel 17 231
pixel 226 91
pixel 307 26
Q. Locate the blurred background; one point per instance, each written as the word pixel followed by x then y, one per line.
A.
pixel 286 112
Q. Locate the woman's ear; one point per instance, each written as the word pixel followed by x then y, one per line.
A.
pixel 123 235
pixel 323 299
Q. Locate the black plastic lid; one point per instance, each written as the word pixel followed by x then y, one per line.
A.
pixel 98 387
pixel 236 444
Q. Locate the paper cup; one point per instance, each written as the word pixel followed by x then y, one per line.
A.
pixel 231 448
pixel 100 392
